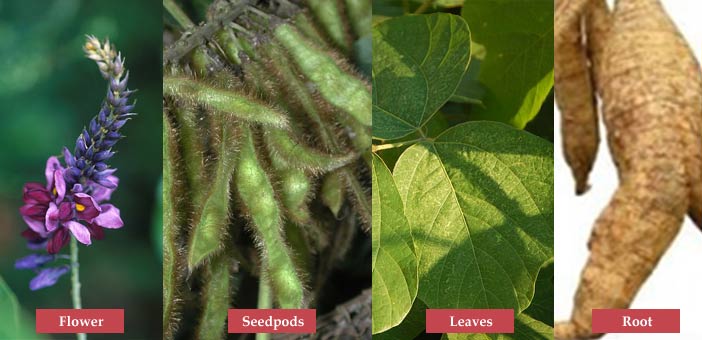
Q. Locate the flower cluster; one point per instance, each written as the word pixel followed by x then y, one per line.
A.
pixel 74 200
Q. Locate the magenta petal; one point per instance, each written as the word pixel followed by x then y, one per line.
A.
pixel 58 241
pixel 52 164
pixel 52 217
pixel 90 207
pixel 59 184
pixel 33 210
pixel 36 226
pixel 33 186
pixel 109 218
pixel 81 232
pixel 37 196
pixel 64 211
pixel 101 193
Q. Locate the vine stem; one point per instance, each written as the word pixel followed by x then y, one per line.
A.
pixel 425 6
pixel 177 13
pixel 265 301
pixel 75 281
pixel 381 147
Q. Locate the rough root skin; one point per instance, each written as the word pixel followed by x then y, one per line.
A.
pixel 576 101
pixel 651 88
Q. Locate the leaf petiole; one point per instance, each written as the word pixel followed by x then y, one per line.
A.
pixel 381 147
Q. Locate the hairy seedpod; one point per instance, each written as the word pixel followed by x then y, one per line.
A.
pixel 329 14
pixel 192 145
pixel 359 12
pixel 212 213
pixel 172 273
pixel 224 101
pixel 358 196
pixel 294 87
pixel 336 85
pixel 332 192
pixel 257 195
pixel 199 61
pixel 305 24
pixel 295 190
pixel 297 155
pixel 215 298
pixel 230 46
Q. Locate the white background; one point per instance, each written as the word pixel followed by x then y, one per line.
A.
pixel 677 281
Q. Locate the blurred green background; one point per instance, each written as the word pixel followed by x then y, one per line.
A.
pixel 48 92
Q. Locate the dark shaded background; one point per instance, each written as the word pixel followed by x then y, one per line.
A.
pixel 48 92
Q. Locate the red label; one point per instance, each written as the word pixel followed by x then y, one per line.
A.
pixel 470 321
pixel 80 320
pixel 636 321
pixel 272 321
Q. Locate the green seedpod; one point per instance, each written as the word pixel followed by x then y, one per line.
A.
pixel 230 45
pixel 199 61
pixel 328 14
pixel 332 192
pixel 259 200
pixel 360 135
pixel 295 190
pixel 192 145
pixel 172 273
pixel 337 85
pixel 223 101
pixel 211 216
pixel 358 196
pixel 216 293
pixel 293 85
pixel 300 246
pixel 359 12
pixel 294 154
pixel 305 24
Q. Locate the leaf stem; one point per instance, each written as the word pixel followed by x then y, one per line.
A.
pixel 177 13
pixel 264 301
pixel 381 147
pixel 75 281
pixel 425 6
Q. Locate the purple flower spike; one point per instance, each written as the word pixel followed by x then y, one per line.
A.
pixel 74 201
pixel 33 261
pixel 94 145
pixel 48 277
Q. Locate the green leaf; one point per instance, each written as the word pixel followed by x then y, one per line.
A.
pixel 12 322
pixel 418 61
pixel 525 328
pixel 518 65
pixel 479 201
pixel 394 264
pixel 410 327
pixel 541 307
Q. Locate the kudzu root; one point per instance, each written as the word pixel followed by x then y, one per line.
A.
pixel 651 87
pixel 576 101
pixel 257 195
